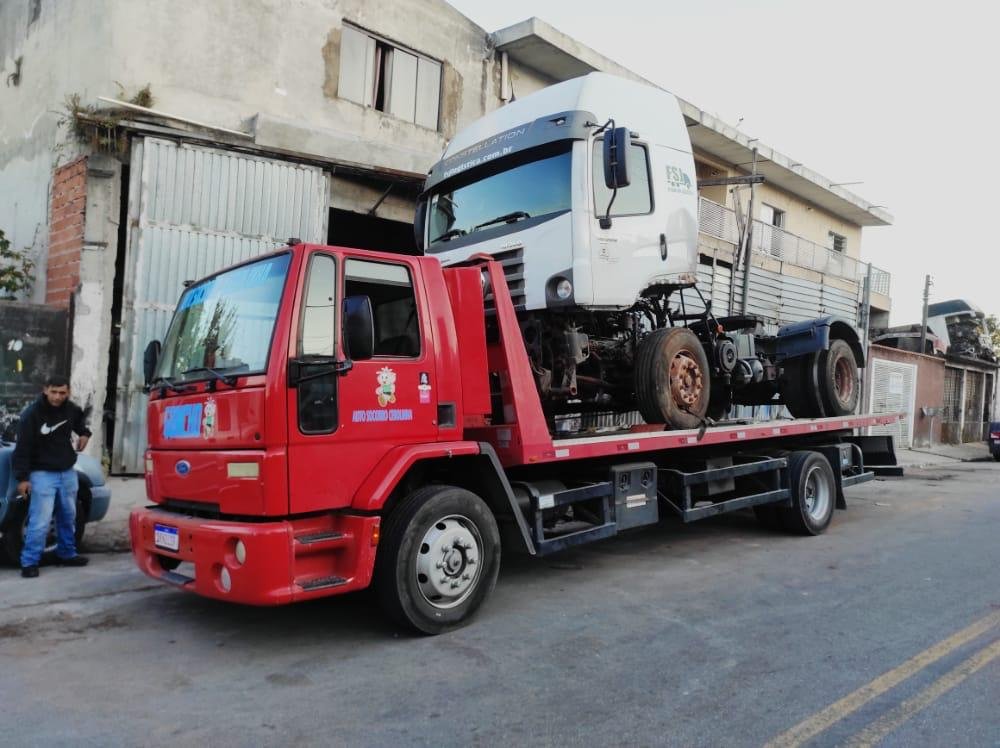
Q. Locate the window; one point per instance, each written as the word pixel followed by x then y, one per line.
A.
pixel 319 312
pixel 771 215
pixel 772 218
pixel 636 199
pixel 837 242
pixel 388 78
pixel 394 307
pixel 317 389
pixel 523 191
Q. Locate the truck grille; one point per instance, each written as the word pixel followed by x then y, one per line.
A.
pixel 513 269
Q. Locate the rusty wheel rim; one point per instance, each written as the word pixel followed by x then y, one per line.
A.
pixel 686 381
pixel 843 380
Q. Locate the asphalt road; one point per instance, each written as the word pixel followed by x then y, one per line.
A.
pixel 886 630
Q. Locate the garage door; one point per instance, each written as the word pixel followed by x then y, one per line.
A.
pixel 893 390
pixel 194 210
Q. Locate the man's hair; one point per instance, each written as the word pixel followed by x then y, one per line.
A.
pixel 56 380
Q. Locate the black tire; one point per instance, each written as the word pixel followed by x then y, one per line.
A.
pixel 814 494
pixel 839 381
pixel 12 540
pixel 798 386
pixel 996 457
pixel 653 392
pixel 437 519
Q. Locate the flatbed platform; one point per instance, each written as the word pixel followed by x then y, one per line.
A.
pixel 651 438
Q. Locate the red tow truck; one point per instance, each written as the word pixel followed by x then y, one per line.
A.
pixel 322 419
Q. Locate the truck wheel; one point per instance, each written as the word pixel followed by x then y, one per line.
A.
pixel 438 559
pixel 672 378
pixel 798 387
pixel 814 492
pixel 839 383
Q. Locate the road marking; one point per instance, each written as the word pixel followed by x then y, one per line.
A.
pixel 890 721
pixel 817 723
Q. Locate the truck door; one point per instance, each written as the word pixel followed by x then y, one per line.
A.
pixel 342 423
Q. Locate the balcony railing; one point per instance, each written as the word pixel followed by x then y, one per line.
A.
pixel 771 241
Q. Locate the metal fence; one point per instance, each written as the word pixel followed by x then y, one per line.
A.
pixel 772 241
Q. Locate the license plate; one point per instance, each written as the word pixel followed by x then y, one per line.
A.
pixel 166 537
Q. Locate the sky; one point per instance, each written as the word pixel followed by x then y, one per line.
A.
pixel 903 97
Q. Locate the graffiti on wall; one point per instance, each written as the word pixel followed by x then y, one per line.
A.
pixel 32 346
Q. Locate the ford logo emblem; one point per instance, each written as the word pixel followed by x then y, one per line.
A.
pixel 183 467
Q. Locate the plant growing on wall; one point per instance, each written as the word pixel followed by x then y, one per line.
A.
pixel 15 269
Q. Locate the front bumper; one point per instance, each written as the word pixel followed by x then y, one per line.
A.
pixel 285 560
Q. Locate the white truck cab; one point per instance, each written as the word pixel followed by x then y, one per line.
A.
pixel 526 183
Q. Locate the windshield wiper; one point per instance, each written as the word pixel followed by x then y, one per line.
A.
pixel 450 234
pixel 229 379
pixel 517 215
pixel 163 384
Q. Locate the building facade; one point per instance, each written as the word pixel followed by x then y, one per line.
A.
pixel 144 144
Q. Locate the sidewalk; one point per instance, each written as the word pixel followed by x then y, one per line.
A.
pixel 110 535
pixel 943 454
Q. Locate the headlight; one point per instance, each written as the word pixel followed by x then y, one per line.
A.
pixel 240 551
pixel 225 581
pixel 564 289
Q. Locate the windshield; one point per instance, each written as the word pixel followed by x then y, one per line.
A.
pixel 225 323
pixel 528 190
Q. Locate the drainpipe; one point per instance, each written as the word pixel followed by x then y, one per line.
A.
pixel 504 78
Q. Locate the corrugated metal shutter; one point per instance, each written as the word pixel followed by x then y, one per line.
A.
pixel 192 211
pixel 893 390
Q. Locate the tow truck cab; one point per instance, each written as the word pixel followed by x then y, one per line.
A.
pixel 287 396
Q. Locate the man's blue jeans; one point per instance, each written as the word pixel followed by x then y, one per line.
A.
pixel 51 490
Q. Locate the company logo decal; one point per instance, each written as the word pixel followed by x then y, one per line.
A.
pixel 182 468
pixel 424 388
pixel 386 390
pixel 385 393
pixel 678 180
pixel 208 421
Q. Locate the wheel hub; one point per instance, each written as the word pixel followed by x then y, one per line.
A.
pixel 817 495
pixel 843 380
pixel 448 561
pixel 686 383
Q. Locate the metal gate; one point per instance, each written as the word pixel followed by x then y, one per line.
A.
pixel 194 210
pixel 893 390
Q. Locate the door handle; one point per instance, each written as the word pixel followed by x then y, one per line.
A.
pixel 663 247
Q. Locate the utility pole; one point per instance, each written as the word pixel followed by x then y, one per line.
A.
pixel 749 240
pixel 923 326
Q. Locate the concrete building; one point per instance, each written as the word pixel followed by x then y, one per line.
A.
pixel 236 125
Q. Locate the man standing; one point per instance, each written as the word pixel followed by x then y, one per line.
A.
pixel 43 465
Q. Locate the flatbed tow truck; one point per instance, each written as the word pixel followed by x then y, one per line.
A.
pixel 322 419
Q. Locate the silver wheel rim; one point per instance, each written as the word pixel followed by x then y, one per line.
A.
pixel 817 494
pixel 449 561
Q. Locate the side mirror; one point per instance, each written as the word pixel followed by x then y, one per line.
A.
pixel 359 328
pixel 150 358
pixel 616 147
pixel 419 223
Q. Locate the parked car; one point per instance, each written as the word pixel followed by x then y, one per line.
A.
pixel 994 440
pixel 92 503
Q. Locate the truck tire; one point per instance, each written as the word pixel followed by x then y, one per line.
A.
pixel 672 378
pixel 813 493
pixel 839 382
pixel 438 559
pixel 798 387
pixel 12 540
